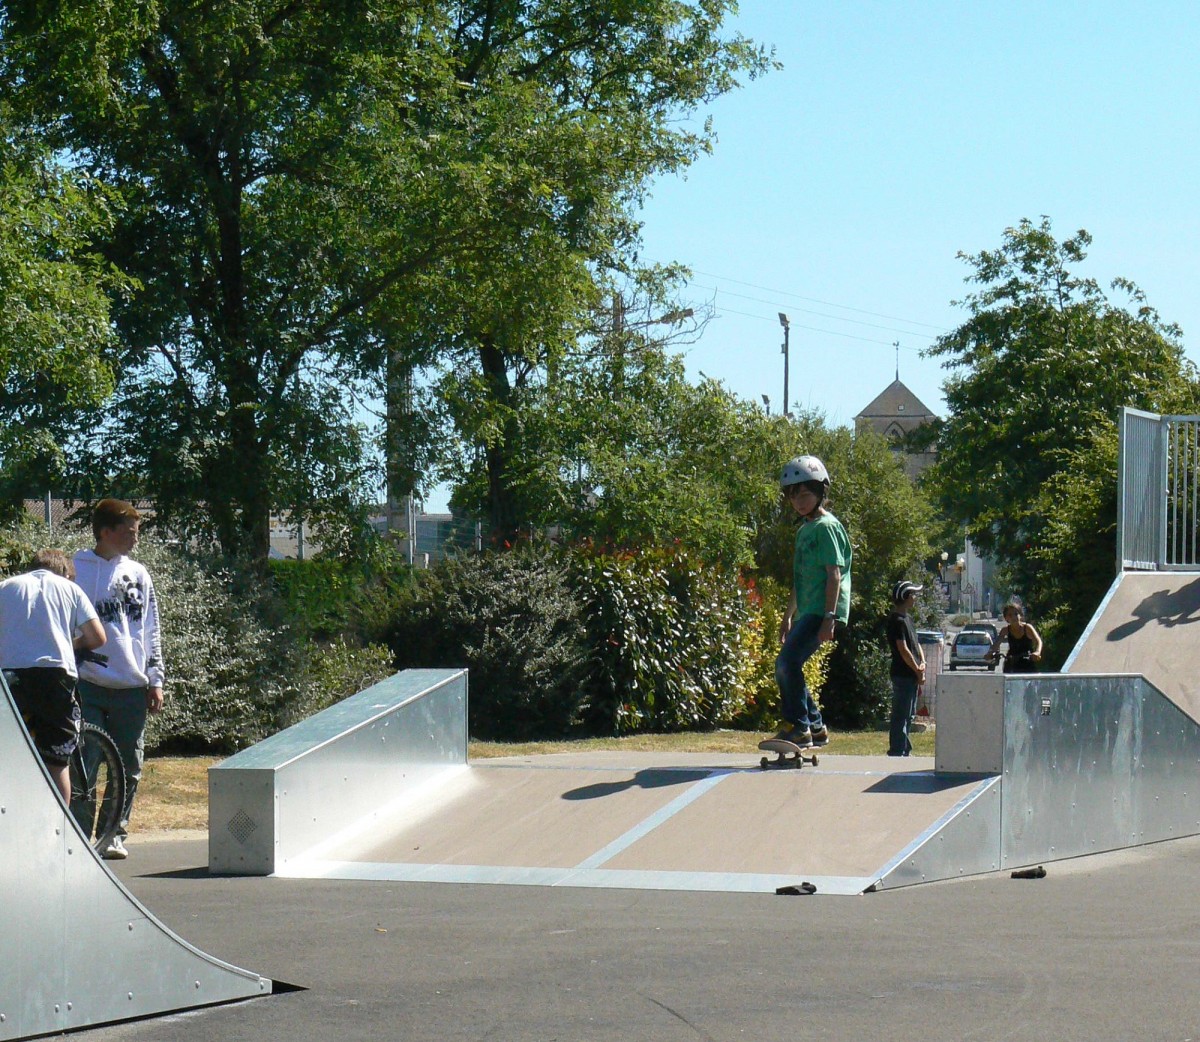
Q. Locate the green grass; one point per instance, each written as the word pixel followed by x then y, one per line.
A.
pixel 846 743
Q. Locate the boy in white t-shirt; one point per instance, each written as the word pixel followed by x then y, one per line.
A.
pixel 44 619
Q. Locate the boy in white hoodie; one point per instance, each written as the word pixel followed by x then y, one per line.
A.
pixel 117 696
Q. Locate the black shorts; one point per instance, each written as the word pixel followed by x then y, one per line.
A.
pixel 46 700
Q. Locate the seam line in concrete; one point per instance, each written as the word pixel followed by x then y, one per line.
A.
pixel 648 825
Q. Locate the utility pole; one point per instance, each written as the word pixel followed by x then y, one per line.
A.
pixel 783 321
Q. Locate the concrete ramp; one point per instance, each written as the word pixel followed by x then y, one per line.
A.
pixel 685 821
pixel 76 948
pixel 1144 625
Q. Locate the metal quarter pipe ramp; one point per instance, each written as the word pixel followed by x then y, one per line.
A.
pixel 76 948
pixel 1144 625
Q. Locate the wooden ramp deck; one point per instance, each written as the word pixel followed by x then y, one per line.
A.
pixel 657 821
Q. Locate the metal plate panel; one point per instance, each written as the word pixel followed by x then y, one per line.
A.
pixel 1094 763
pixel 1167 793
pixel 337 772
pixel 966 841
pixel 32 882
pixel 442 739
pixel 970 734
pixel 242 822
pixel 76 948
pixel 1071 751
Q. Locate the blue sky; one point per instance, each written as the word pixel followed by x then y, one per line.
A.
pixel 896 135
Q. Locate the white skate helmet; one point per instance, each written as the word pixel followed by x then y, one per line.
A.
pixel 802 469
pixel 903 588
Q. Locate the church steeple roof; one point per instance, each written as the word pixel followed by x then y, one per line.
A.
pixel 895 402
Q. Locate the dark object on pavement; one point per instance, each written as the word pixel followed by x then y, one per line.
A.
pixel 1030 873
pixel 803 888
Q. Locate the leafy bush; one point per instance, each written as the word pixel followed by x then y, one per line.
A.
pixel 859 686
pixel 666 637
pixel 759 649
pixel 512 620
pixel 236 671
pixel 317 595
pixel 338 598
pixel 334 671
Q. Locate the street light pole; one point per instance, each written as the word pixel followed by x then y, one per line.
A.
pixel 783 321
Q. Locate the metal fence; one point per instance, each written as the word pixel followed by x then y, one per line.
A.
pixel 1158 498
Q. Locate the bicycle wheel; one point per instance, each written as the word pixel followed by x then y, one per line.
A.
pixel 98 785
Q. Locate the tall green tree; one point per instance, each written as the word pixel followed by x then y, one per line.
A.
pixel 56 336
pixel 594 93
pixel 1038 372
pixel 289 169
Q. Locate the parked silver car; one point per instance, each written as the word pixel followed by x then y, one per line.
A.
pixel 972 649
pixel 988 627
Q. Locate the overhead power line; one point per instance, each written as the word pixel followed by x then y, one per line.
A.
pixel 819 314
pixel 824 303
pixel 814 329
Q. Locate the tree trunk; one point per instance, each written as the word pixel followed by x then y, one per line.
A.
pixel 502 507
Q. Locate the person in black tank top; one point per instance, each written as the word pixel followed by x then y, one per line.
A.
pixel 1024 642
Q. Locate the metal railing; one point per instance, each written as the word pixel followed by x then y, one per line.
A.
pixel 1158 497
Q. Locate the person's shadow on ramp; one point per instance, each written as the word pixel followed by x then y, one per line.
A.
pixel 647 779
pixel 1166 607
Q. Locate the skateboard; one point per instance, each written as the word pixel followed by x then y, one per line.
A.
pixel 789 754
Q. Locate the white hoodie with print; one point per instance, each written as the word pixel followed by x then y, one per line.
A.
pixel 123 595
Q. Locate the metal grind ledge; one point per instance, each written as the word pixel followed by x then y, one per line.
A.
pixel 77 949
pixel 337 772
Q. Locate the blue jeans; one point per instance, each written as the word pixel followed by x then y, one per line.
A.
pixel 122 713
pixel 904 708
pixel 797 703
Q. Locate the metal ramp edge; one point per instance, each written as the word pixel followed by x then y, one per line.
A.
pixel 965 841
pixel 78 949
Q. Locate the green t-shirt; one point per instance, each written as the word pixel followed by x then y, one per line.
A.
pixel 821 543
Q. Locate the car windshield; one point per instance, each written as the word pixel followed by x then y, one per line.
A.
pixel 973 637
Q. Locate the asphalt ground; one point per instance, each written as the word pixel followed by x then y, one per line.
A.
pixel 1101 947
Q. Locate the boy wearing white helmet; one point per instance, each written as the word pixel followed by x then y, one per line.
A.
pixel 820 596
pixel 908 666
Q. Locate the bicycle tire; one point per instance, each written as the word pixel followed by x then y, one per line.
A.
pixel 98 801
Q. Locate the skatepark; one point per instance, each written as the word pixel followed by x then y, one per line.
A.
pixel 378 884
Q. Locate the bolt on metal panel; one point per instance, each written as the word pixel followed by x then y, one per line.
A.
pixel 76 948
pixel 1094 763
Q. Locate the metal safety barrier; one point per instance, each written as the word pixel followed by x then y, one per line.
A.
pixel 1158 498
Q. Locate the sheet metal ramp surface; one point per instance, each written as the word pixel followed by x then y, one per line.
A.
pixel 1145 625
pixel 694 821
pixel 76 948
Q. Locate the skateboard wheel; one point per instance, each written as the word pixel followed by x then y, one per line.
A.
pixel 763 763
pixel 815 760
